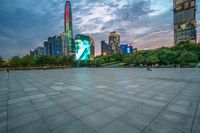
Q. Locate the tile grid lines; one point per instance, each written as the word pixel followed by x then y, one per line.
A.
pixel 32 104
pixel 85 115
pixel 92 113
pixel 7 101
pixel 8 98
pixel 195 116
pixel 99 111
pixel 51 130
pixel 116 119
pixel 164 108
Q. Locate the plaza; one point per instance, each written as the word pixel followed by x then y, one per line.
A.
pixel 90 100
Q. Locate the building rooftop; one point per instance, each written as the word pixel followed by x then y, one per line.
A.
pixel 100 101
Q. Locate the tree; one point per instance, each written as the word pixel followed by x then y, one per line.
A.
pixel 117 57
pixel 43 60
pixel 112 60
pixel 92 62
pixel 151 60
pixel 167 56
pixel 1 61
pixel 139 59
pixel 99 61
pixel 106 58
pixel 188 57
pixel 15 61
pixel 28 60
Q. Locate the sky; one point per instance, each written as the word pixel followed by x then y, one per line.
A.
pixel 25 24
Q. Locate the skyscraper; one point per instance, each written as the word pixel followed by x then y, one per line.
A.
pixel 114 41
pixel 69 28
pixel 185 21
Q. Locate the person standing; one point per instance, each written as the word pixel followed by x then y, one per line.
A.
pixel 8 70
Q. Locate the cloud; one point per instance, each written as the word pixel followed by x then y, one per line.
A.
pixel 25 24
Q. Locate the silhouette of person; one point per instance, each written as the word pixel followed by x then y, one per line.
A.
pixel 8 70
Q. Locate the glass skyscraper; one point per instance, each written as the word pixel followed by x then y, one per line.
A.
pixel 69 28
pixel 185 21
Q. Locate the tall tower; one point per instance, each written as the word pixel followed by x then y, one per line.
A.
pixel 69 28
pixel 185 21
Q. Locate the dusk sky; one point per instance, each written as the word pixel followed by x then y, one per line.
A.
pixel 24 24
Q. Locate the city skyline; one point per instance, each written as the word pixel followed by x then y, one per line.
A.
pixel 149 23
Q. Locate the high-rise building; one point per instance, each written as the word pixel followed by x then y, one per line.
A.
pixel 40 51
pixel 69 28
pixel 82 43
pixel 114 41
pixel 64 41
pixel 185 21
pixel 56 46
pixel 32 52
pixel 92 49
pixel 50 45
pixel 105 48
pixel 126 48
pixel 46 48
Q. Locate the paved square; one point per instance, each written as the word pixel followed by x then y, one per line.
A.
pixel 100 101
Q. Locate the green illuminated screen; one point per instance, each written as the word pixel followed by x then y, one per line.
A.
pixel 82 49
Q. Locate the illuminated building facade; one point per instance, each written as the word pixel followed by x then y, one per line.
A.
pixel 126 48
pixel 92 49
pixel 185 21
pixel 69 28
pixel 82 46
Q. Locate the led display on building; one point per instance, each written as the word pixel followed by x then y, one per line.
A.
pixel 82 44
pixel 69 28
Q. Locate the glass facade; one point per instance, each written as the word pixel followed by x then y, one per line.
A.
pixel 185 21
pixel 57 46
pixel 126 48
pixel 82 45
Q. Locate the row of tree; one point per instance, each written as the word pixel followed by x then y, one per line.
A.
pixel 31 61
pixel 182 54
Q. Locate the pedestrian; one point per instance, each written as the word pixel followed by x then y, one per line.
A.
pixel 8 70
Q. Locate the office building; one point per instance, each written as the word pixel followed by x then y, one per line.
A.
pixel 126 48
pixel 32 52
pixel 56 46
pixel 46 48
pixel 69 28
pixel 185 21
pixel 64 41
pixel 40 51
pixel 105 48
pixel 114 41
pixel 50 44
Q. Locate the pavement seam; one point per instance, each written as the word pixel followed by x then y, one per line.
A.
pixel 193 121
pixel 143 130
